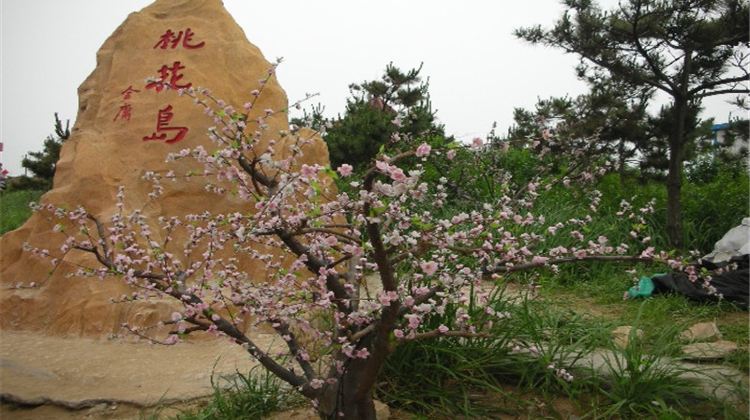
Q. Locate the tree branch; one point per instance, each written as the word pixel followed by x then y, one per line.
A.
pixel 710 85
pixel 314 264
pixel 330 232
pixel 723 92
pixel 294 347
pixel 528 266
pixel 649 60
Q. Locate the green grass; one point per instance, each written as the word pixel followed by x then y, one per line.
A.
pixel 641 379
pixel 597 289
pixel 482 377
pixel 449 378
pixel 14 208
pixel 251 396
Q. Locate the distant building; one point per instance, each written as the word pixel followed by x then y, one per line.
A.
pixel 720 139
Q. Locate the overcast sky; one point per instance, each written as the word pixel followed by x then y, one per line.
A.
pixel 478 70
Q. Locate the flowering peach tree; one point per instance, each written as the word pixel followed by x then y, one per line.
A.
pixel 320 246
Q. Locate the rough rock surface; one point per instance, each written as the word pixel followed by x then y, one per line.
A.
pixel 107 149
pixel 99 378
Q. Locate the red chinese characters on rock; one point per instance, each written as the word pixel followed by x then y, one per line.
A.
pixel 172 40
pixel 169 76
pixel 162 127
pixel 128 92
pixel 126 110
pixel 124 113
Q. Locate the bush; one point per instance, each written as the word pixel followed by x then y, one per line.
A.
pixel 23 182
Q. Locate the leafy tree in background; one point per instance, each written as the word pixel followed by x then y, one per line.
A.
pixel 686 49
pixel 381 112
pixel 43 164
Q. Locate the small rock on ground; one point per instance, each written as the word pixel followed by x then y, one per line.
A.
pixel 621 335
pixel 709 351
pixel 702 331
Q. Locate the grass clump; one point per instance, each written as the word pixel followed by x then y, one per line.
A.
pixel 640 380
pixel 486 377
pixel 251 396
pixel 518 370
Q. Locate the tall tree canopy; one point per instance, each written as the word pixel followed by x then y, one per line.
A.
pixel 687 49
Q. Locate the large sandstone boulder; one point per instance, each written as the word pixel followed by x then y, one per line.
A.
pixel 125 126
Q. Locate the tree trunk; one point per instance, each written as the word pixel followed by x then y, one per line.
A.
pixel 351 409
pixel 621 161
pixel 340 400
pixel 674 177
pixel 674 193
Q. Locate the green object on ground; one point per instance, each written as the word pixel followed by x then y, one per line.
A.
pixel 644 288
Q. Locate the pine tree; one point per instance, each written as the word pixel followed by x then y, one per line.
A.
pixel 43 164
pixel 687 49
pixel 395 107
